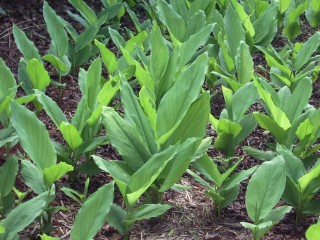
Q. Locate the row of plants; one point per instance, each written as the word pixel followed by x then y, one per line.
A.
pixel 165 75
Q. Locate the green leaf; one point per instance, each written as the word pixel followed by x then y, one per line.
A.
pixel 59 65
pixel 38 74
pixel 178 99
pixel 265 188
pixel 2 229
pixel 305 180
pixel 91 217
pixel 258 154
pixel 244 17
pixel 172 20
pixel 51 108
pixel 7 80
pixel 33 136
pixel 55 172
pixel 148 211
pixel 144 177
pixel 92 83
pixel 26 47
pixel 46 237
pixel 237 178
pixel 135 113
pixel 85 10
pixel 22 216
pixel 313 232
pixel 108 57
pixel 55 29
pixel 244 64
pixel 226 126
pixel 125 138
pixel 71 135
pixel 234 30
pixel 116 218
pixel 8 173
pixel 33 177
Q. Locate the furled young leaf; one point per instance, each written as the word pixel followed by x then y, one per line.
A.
pixel 38 74
pixel 55 172
pixel 71 135
pixel 22 216
pixel 55 29
pixel 92 214
pixel 268 180
pixel 8 173
pixel 33 136
pixel 26 47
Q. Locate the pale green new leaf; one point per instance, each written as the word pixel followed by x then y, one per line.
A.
pixel 313 232
pixel 108 57
pixel 305 180
pixel 38 74
pixel 55 172
pixel 56 62
pixel 71 135
pixel 33 136
pixel 91 217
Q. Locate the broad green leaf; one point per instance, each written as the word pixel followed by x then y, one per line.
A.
pixel 92 83
pixel 85 10
pixel 22 216
pixel 272 126
pixel 55 29
pixel 7 80
pixel 284 5
pixel 148 105
pixel 125 138
pixel 265 188
pixel 51 108
pixel 33 136
pixel 71 135
pixel 55 172
pixel 91 216
pixel 116 218
pixel 225 143
pixel 8 173
pixel 305 180
pixel 178 99
pixel 238 178
pixel 144 177
pixel 306 51
pixel 26 47
pixel 179 164
pixel 172 20
pixel 234 30
pixel 134 112
pixel 244 64
pixel 56 62
pixel 226 126
pixel 33 177
pixel 194 123
pixel 159 53
pixel 108 57
pixel 304 130
pixel 313 232
pixel 38 74
pixel 277 214
pixel 244 17
pixel 148 211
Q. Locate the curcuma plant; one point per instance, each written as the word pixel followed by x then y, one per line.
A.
pixel 81 132
pixel 294 62
pixel 268 180
pixel 160 133
pixel 234 125
pixel 222 185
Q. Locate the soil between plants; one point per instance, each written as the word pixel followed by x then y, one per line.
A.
pixel 192 215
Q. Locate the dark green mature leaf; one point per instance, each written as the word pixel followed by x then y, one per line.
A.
pixel 92 214
pixel 22 216
pixel 92 83
pixel 8 173
pixel 116 217
pixel 178 99
pixel 148 211
pixel 85 11
pixel 125 138
pixel 26 47
pixel 33 177
pixel 7 80
pixel 244 64
pixel 33 136
pixel 265 188
pixel 55 29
